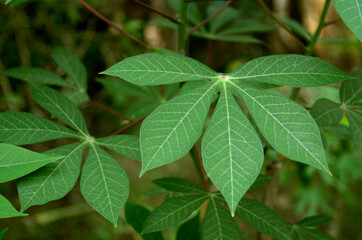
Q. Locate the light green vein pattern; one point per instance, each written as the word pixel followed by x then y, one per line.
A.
pixel 7 210
pixel 218 223
pixel 351 13
pixel 172 212
pixel 53 181
pixel 22 128
pixel 173 128
pixel 289 70
pixel 286 125
pixel 104 184
pixel 126 145
pixel 16 162
pixel 156 69
pixel 326 113
pixel 231 150
pixel 59 106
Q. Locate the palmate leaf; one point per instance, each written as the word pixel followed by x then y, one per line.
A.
pixel 104 184
pixel 355 124
pixel 326 113
pixel 351 90
pixel 280 118
pixel 22 128
pixel 60 106
pixel 178 185
pixel 16 162
pixel 170 131
pixel 218 224
pixel 290 70
pixel 126 145
pixel 351 13
pixel 172 212
pixel 7 210
pixel 231 150
pixel 263 219
pixel 155 69
pixel 53 181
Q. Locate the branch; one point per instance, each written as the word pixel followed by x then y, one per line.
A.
pixel 111 111
pixel 129 126
pixel 209 18
pixel 112 24
pixel 156 11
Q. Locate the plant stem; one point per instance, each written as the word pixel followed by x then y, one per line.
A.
pixel 198 164
pixel 129 126
pixel 182 27
pixel 112 24
pixel 309 49
pixel 294 94
pixel 111 111
pixel 209 18
pixel 156 11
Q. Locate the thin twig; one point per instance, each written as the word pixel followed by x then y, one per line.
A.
pixel 200 166
pixel 209 18
pixel 156 11
pixel 111 111
pixel 129 126
pixel 112 24
pixel 277 20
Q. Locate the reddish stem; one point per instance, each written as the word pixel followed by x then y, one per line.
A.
pixel 129 126
pixel 307 108
pixel 111 111
pixel 201 167
pixel 156 11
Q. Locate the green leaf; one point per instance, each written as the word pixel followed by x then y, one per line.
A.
pixel 178 185
pixel 260 180
pixel 280 118
pixel 53 181
pixel 172 212
pixel 290 70
pixel 36 75
pixel 226 16
pixel 231 150
pixel 122 87
pixel 190 229
pixel 263 219
pixel 351 89
pixel 126 145
pixel 72 66
pixel 60 106
pixel 104 184
pixel 7 211
pixel 142 108
pixel 314 221
pixel 76 97
pixel 312 234
pixel 16 162
pixel 2 232
pixel 326 113
pixel 136 216
pixel 297 28
pixel 171 130
pixel 218 224
pixel 157 69
pixel 22 128
pixel 355 124
pixel 351 13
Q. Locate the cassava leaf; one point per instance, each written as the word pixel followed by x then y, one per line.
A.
pixel 280 118
pixel 178 185
pixel 7 210
pixel 314 221
pixel 156 69
pixel 351 89
pixel 355 124
pixel 126 145
pixel 218 224
pixel 16 162
pixel 231 150
pixel 260 180
pixel 2 232
pixel 290 70
pixel 326 113
pixel 76 97
pixel 312 234
pixel 170 131
pixel 190 229
pixel 172 212
pixel 351 13
pixel 22 128
pixel 123 87
pixel 104 184
pixel 59 106
pixel 53 181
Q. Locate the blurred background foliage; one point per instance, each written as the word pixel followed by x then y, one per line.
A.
pixel 30 31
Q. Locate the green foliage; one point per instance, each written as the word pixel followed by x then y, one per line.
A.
pixel 304 230
pixel 7 210
pixel 190 229
pixel 351 13
pixel 2 232
pixel 178 185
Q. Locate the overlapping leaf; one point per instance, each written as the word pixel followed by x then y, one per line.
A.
pixel 355 124
pixel 178 185
pixel 326 113
pixel 190 229
pixel 2 232
pixel 351 90
pixel 7 210
pixel 351 13
pixel 53 181
pixel 314 221
pixel 126 145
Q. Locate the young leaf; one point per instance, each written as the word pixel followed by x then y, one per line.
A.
pixel 355 124
pixel 126 145
pixel 172 212
pixel 104 184
pixel 16 162
pixel 53 181
pixel 157 69
pixel 36 75
pixel 231 150
pixel 263 219
pixel 170 131
pixel 2 232
pixel 59 106
pixel 280 118
pixel 22 128
pixel 190 229
pixel 178 185
pixel 326 113
pixel 351 13
pixel 312 234
pixel 218 224
pixel 351 89
pixel 260 180
pixel 314 221
pixel 7 210
pixel 290 70
pixel 72 66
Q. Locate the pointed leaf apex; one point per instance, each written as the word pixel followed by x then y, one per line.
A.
pixel 233 214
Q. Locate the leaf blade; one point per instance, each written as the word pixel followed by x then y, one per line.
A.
pixel 126 145
pixel 178 185
pixel 351 13
pixel 326 113
pixel 7 210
